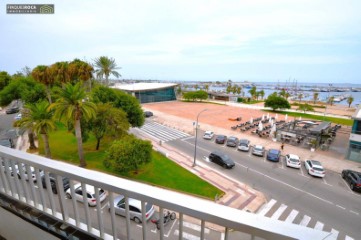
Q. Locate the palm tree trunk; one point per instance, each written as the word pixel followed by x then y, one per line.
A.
pixel 47 147
pixel 98 144
pixel 79 140
pixel 31 139
pixel 48 93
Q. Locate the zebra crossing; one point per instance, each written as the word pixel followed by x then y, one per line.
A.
pixel 280 211
pixel 162 132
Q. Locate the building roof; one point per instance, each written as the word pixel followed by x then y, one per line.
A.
pixel 143 86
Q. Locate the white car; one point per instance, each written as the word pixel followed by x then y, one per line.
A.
pixel 244 145
pixel 208 135
pixel 314 168
pixel 135 208
pixel 293 161
pixel 92 201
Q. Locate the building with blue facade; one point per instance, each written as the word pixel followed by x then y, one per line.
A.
pixel 354 150
pixel 150 92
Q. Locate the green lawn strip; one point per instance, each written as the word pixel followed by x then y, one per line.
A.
pixel 342 121
pixel 161 171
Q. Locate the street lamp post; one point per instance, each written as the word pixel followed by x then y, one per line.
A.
pixel 195 141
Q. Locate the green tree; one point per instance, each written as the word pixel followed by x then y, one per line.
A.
pixel 131 106
pixel 128 154
pixel 5 79
pixel 72 105
pixel 196 87
pixel 253 92
pixel 315 97
pixel 287 95
pixel 41 73
pixel 179 90
pixel 38 117
pixel 305 107
pixel 229 89
pixel 105 67
pixel 239 90
pixel 24 88
pixel 282 93
pixel 109 121
pixel 275 102
pixel 234 89
pixel 261 93
pixel 350 100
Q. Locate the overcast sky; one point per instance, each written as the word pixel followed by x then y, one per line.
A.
pixel 254 40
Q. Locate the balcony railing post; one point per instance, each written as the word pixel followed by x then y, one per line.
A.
pixel 180 226
pixel 144 221
pixel 99 213
pixel 86 207
pixel 61 197
pixel 127 217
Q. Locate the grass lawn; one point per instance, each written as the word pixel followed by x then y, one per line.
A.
pixel 160 171
pixel 342 121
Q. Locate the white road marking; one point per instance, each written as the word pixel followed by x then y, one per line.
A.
pixel 319 226
pixel 104 206
pixel 195 227
pixel 170 229
pixel 340 207
pixel 347 186
pixel 348 238
pixel 279 211
pixel 305 220
pixel 187 138
pixel 303 173
pixel 266 207
pixel 281 160
pixel 292 216
pixel 286 184
pixel 354 212
pixel 324 181
pixel 187 236
pixel 334 234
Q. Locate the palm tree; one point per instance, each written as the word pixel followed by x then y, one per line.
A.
pixel 300 96
pixel 72 104
pixel 282 93
pixel 106 66
pixel 41 73
pixel 261 93
pixel 38 117
pixel 315 97
pixel 350 100
pixel 331 99
pixel 287 95
pixel 253 92
pixel 206 87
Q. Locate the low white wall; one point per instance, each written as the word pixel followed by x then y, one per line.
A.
pixel 12 227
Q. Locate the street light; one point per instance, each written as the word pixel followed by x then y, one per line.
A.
pixel 195 142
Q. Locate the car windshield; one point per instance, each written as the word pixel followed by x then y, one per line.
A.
pixel 318 169
pixel 148 206
pixel 295 160
pixel 258 148
pixel 243 144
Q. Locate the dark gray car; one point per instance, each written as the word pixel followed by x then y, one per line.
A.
pixel 221 159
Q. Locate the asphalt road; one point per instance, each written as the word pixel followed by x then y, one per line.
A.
pixel 327 199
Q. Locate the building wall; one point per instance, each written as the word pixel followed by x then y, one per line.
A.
pixel 354 149
pixel 158 95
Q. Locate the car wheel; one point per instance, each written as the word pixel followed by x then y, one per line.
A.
pixel 343 175
pixel 55 191
pixel 224 165
pixel 352 186
pixel 172 216
pixel 68 195
pixel 137 220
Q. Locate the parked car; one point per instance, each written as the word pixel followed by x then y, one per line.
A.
pixel 12 110
pixel 92 201
pixel 258 150
pixel 244 145
pixel 232 142
pixel 26 174
pixel 273 155
pixel 293 161
pixel 221 159
pixel 353 178
pixel 8 142
pixel 148 114
pixel 208 135
pixel 314 168
pixel 221 139
pixel 135 208
pixel 53 182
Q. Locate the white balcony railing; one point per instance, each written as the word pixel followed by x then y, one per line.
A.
pixel 106 225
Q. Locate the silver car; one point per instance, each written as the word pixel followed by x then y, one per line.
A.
pixel 208 135
pixel 244 145
pixel 314 168
pixel 135 207
pixel 258 150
